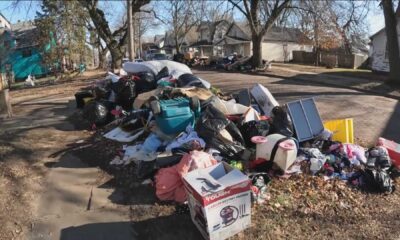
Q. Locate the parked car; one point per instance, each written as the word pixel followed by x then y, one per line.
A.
pixel 124 60
pixel 159 56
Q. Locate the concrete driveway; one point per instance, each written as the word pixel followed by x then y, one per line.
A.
pixel 373 115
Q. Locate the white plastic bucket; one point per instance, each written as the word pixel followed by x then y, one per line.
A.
pixel 286 152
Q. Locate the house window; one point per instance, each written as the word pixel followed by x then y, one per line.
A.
pixel 220 35
pixel 26 53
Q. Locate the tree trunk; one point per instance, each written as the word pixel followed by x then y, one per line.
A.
pixel 177 47
pixel 5 102
pixel 257 50
pixel 102 54
pixel 392 40
pixel 116 56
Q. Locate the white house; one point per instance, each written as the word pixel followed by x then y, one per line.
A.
pixel 235 40
pixel 222 38
pixel 279 43
pixel 379 58
pixel 210 33
pixel 4 23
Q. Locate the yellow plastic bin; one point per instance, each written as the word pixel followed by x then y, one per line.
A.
pixel 342 129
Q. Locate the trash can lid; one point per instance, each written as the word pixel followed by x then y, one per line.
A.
pixel 259 139
pixel 287 145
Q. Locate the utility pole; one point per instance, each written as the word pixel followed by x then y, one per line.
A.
pixel 131 46
pixel 139 36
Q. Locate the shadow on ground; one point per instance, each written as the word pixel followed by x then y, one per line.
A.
pixel 107 230
pixel 392 128
pixel 173 227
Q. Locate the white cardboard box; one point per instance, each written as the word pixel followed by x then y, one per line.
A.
pixel 219 200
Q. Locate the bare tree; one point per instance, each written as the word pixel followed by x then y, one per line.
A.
pixel 392 39
pixel 217 10
pixel 113 40
pixel 261 15
pixel 181 18
pixel 348 19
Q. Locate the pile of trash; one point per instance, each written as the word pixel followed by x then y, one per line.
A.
pixel 218 153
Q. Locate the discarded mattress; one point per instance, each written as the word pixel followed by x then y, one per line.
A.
pixel 156 66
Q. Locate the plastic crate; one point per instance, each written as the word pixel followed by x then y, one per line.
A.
pixel 342 129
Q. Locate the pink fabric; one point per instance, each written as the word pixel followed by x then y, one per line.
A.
pixel 168 181
pixel 353 150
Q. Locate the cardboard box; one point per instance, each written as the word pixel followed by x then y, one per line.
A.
pixel 219 200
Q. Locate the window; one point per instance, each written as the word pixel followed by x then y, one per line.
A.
pixel 26 53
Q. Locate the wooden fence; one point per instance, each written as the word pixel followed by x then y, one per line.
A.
pixel 330 59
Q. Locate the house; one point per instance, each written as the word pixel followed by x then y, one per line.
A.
pixel 25 57
pixel 4 23
pixel 222 38
pixel 209 34
pixel 169 46
pixel 20 50
pixel 234 40
pixel 379 57
pixel 280 42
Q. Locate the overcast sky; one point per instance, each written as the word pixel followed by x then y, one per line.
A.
pixel 115 9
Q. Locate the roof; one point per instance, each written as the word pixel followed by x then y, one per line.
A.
pixel 383 29
pixel 378 32
pixel 24 33
pixel 158 38
pixel 285 34
pixel 232 40
pixel 201 43
pixel 234 24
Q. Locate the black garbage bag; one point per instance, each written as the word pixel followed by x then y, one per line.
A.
pixel 98 112
pixel 254 128
pixel 189 80
pixel 101 92
pixel 79 98
pixel 146 81
pixel 125 93
pixel 164 72
pixel 145 169
pixel 210 124
pixel 376 180
pixel 281 122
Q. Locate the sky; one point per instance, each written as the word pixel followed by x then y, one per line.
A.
pixel 114 10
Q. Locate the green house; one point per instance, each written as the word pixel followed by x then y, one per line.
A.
pixel 21 52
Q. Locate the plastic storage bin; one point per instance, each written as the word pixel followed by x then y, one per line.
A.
pixel 342 129
pixel 174 115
